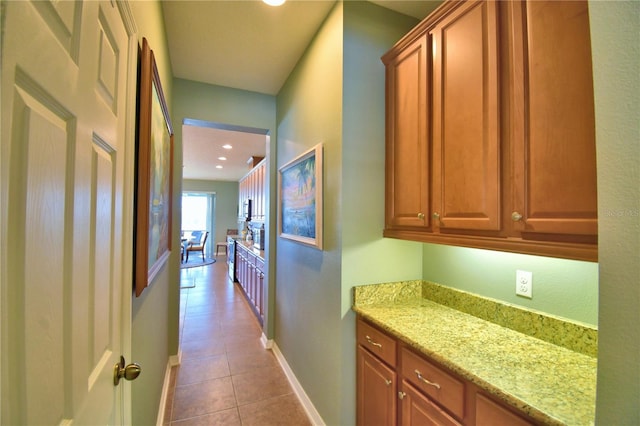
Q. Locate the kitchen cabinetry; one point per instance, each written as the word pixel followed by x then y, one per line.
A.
pixel 376 377
pixel 250 276
pixel 490 129
pixel 407 153
pixel 490 413
pixel 252 187
pixel 396 385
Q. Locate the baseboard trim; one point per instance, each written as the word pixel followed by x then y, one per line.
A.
pixel 311 411
pixel 266 343
pixel 173 361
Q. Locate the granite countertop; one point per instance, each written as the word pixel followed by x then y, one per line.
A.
pixel 551 383
pixel 249 246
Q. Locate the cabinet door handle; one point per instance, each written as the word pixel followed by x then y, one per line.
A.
pixel 436 217
pixel 372 342
pixel 516 217
pixel 388 382
pixel 401 395
pixel 420 215
pixel 420 377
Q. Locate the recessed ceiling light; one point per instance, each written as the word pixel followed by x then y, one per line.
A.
pixel 227 146
pixel 218 167
pixel 274 2
pixel 222 158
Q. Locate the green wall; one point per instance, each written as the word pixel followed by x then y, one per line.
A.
pixel 225 206
pixel 368 32
pixel 615 40
pixel 335 95
pixel 154 327
pixel 565 288
pixel 307 315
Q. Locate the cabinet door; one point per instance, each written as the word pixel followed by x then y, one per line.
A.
pixel 488 413
pixel 466 125
pixel 407 153
pixel 376 391
pixel 553 129
pixel 417 409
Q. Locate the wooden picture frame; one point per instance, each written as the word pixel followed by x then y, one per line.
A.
pixel 154 175
pixel 300 198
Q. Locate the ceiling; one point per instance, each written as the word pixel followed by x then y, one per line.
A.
pixel 248 45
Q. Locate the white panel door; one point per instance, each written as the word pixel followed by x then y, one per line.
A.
pixel 67 72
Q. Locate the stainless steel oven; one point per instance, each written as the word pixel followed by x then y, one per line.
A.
pixel 231 257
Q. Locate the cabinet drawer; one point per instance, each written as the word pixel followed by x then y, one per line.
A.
pixel 377 342
pixel 433 381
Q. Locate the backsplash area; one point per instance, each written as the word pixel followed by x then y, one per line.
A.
pixel 572 335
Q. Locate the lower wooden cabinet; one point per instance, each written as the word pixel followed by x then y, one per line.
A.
pixel 376 405
pixel 489 413
pixel 417 409
pixel 398 386
pixel 250 276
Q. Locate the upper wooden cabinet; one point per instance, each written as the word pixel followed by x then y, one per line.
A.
pixel 252 187
pixel 466 117
pixel 552 119
pixel 407 150
pixel 491 131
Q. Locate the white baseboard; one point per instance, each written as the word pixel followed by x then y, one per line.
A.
pixel 311 411
pixel 173 361
pixel 266 343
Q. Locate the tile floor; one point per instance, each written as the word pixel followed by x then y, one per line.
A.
pixel 226 376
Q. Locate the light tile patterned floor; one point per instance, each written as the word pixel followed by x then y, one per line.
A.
pixel 226 376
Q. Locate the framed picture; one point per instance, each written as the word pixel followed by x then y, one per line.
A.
pixel 154 175
pixel 300 198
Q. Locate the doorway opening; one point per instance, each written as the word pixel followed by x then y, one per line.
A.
pixel 198 215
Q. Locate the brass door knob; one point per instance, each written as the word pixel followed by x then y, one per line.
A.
pixel 436 216
pixel 129 372
pixel 516 217
pixel 420 215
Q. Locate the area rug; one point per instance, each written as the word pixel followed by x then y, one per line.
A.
pixel 197 261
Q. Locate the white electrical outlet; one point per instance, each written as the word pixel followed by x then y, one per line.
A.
pixel 524 283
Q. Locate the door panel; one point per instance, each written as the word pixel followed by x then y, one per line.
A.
pixel 64 138
pixel 554 136
pixel 466 129
pixel 36 295
pixel 408 161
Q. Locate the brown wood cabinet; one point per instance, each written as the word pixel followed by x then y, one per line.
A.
pixel 376 377
pixel 490 129
pixel 252 187
pixel 250 276
pixel 396 385
pixel 376 405
pixel 490 413
pixel 407 153
pixel 417 409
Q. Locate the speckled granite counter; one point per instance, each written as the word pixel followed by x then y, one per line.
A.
pixel 249 246
pixel 551 383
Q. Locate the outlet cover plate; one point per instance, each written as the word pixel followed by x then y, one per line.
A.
pixel 524 283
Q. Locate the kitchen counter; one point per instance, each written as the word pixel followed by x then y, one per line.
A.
pixel 249 246
pixel 551 383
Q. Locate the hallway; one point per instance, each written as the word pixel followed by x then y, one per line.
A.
pixel 226 376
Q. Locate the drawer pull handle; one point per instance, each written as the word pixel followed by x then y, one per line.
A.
pixel 420 377
pixel 388 382
pixel 372 342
